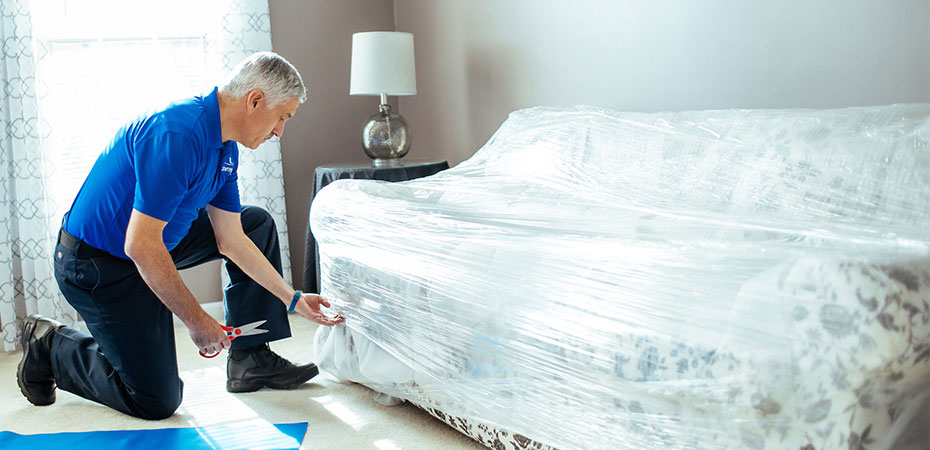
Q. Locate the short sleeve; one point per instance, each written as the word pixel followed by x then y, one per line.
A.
pixel 164 165
pixel 227 198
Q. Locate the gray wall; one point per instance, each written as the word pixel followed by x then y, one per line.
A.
pixel 316 36
pixel 477 60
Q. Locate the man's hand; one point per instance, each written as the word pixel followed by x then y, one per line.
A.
pixel 208 336
pixel 309 307
pixel 235 245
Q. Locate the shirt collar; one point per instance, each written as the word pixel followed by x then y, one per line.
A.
pixel 214 128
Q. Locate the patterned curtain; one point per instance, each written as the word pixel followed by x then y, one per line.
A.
pixel 29 220
pixel 246 29
pixel 38 98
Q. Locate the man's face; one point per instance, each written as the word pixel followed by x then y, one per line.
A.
pixel 263 123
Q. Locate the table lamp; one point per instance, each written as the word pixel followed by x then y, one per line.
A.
pixel 382 64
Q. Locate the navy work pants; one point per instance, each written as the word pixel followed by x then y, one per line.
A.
pixel 129 362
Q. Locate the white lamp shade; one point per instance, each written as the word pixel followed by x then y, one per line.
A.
pixel 382 63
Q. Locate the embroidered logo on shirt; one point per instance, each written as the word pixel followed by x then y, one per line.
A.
pixel 227 165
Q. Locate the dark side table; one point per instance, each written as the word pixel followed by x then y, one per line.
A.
pixel 324 175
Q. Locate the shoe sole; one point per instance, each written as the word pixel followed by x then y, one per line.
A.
pixel 22 388
pixel 252 385
pixel 29 328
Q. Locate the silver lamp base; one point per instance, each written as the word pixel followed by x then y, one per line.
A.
pixel 385 137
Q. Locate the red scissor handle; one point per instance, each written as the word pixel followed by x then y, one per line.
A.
pixel 234 332
pixel 231 332
pixel 209 356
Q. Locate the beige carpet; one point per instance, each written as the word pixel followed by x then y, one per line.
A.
pixel 340 415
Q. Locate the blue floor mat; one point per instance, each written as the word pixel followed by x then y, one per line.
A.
pixel 226 437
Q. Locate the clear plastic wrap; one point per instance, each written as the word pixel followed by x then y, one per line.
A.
pixel 589 279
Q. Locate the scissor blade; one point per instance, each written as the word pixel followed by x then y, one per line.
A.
pixel 246 329
pixel 255 331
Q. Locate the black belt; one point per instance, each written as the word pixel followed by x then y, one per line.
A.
pixel 71 242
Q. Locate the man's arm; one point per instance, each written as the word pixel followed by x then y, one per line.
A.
pixel 233 243
pixel 146 247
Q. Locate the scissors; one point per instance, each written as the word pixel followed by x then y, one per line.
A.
pixel 234 332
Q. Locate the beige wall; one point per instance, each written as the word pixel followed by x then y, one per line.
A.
pixel 477 60
pixel 204 281
pixel 316 36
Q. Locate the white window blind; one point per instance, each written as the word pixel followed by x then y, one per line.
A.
pixel 107 61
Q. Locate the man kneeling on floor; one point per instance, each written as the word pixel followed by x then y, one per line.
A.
pixel 163 196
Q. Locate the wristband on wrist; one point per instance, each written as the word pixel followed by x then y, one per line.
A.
pixel 297 295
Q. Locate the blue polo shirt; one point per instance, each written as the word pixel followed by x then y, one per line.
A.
pixel 167 165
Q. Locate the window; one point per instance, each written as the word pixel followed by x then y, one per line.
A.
pixel 107 61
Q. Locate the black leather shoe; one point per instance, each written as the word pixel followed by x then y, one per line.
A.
pixel 253 368
pixel 34 373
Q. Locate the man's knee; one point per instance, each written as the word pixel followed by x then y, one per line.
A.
pixel 157 407
pixel 256 219
pixel 157 410
pixel 259 226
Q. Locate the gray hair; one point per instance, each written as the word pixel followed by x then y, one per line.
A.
pixel 270 73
